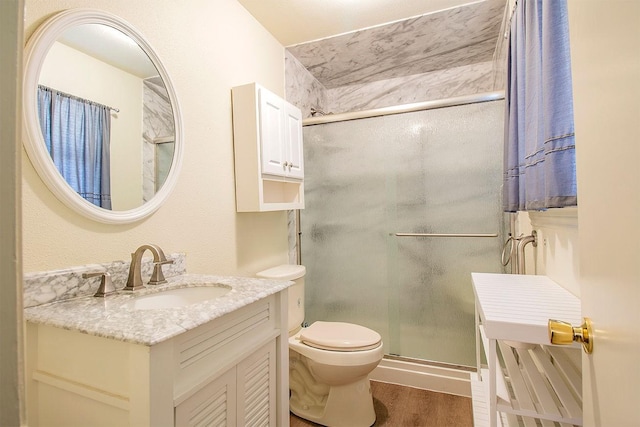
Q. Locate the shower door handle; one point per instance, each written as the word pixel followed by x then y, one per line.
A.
pixel 444 235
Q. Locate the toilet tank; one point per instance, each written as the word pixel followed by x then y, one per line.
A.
pixel 296 291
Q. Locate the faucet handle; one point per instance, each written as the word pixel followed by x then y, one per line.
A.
pixel 157 277
pixel 106 285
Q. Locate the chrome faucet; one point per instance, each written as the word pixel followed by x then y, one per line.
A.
pixel 134 281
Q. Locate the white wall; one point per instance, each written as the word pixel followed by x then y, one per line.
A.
pixel 71 71
pixel 557 253
pixel 207 48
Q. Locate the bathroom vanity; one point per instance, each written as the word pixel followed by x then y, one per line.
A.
pixel 527 381
pixel 106 362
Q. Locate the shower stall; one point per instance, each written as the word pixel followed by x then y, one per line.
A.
pixel 400 209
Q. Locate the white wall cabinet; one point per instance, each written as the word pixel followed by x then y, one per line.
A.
pixel 527 381
pixel 268 148
pixel 230 371
pixel 280 136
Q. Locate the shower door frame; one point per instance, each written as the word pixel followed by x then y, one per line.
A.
pixel 400 109
pixel 385 111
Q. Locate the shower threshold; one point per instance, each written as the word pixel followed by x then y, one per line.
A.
pixel 430 363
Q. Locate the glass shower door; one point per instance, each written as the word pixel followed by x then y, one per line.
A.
pixel 428 172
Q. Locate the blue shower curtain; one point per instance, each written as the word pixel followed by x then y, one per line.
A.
pixel 540 166
pixel 77 133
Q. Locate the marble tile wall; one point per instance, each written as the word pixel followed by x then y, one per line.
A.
pixel 502 50
pixel 441 84
pixel 292 238
pixel 157 118
pixel 57 285
pixel 434 56
pixel 436 41
pixel 302 88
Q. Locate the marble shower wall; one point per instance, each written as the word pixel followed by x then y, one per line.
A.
pixel 441 84
pixel 434 56
pixel 502 48
pixel 302 88
pixel 157 126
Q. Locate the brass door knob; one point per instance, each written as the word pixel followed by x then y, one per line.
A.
pixel 563 333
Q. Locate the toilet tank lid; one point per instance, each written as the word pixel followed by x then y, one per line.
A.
pixel 283 272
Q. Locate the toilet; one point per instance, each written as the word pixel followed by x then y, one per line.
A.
pixel 329 362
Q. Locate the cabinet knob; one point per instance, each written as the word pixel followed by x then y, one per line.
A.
pixel 564 333
pixel 284 165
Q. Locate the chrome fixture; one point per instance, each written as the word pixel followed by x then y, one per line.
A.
pixel 106 285
pixel 515 253
pixel 317 118
pixel 134 281
pixel 317 112
pixel 522 242
pixel 444 235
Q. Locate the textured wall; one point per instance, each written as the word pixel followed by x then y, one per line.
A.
pixel 207 48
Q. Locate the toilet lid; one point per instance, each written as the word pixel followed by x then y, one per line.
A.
pixel 339 336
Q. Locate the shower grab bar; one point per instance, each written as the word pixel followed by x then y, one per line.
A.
pixel 443 235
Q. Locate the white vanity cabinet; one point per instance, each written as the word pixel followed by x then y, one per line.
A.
pixel 268 148
pixel 230 371
pixel 527 381
pixel 244 395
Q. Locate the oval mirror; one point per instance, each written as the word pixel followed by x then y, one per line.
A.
pixel 101 118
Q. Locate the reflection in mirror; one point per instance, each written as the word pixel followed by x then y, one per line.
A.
pixel 158 136
pixel 92 55
pixel 97 67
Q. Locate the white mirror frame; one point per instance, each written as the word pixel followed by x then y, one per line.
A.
pixel 35 52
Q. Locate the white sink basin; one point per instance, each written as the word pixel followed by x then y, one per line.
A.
pixel 178 297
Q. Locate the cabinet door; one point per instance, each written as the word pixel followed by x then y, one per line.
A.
pixel 272 133
pixel 257 387
pixel 213 405
pixel 293 141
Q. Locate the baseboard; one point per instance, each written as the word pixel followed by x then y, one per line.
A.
pixel 423 376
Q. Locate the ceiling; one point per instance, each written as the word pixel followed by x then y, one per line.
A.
pixel 110 45
pixel 293 22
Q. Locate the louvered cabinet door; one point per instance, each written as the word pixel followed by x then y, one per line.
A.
pixel 256 376
pixel 212 406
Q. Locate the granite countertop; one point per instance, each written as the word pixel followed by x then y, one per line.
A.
pixel 112 317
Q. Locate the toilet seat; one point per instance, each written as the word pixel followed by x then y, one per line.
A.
pixel 340 336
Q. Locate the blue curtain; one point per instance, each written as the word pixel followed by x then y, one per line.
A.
pixel 540 166
pixel 77 134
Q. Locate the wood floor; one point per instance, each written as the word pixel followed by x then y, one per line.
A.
pixel 398 406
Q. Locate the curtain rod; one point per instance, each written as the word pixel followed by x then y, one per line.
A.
pixel 117 110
